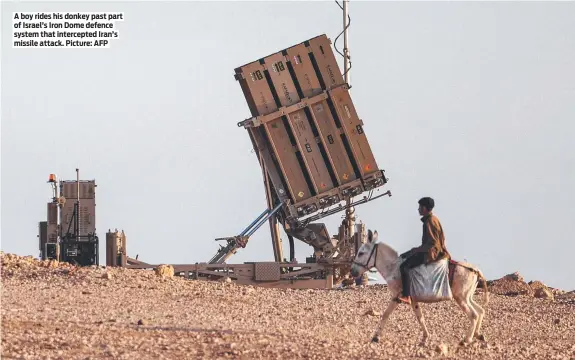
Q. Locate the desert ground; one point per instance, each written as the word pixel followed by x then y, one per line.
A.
pixel 57 311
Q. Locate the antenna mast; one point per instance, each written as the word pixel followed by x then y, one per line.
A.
pixel 346 56
pixel 77 219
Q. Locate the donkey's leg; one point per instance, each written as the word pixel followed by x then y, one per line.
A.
pixel 463 302
pixel 480 313
pixel 419 314
pixel 390 308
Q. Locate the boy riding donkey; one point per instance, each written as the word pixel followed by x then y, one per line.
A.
pixel 432 246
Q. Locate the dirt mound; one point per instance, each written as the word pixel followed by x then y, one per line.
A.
pixel 30 267
pixel 514 285
pixel 510 285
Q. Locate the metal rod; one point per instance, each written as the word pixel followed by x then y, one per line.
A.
pixel 226 256
pixel 273 221
pixel 277 241
pixel 249 226
pixel 223 254
pixel 77 230
pixel 291 248
pixel 73 219
pixel 331 212
pixel 254 222
pixel 274 226
pixel 345 41
pixel 215 259
pixel 270 214
pixel 58 208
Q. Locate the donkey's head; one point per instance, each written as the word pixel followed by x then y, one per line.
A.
pixel 366 256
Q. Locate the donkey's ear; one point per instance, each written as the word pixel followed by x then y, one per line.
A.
pixel 369 236
pixel 374 237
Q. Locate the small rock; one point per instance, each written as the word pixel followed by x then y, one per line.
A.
pixel 544 293
pixel 372 312
pixel 537 285
pixel 142 322
pixel 107 275
pixel 442 349
pixel 248 291
pixel 164 270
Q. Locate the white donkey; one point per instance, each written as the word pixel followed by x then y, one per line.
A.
pixel 386 260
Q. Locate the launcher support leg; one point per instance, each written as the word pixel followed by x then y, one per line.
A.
pixel 274 226
pixel 277 241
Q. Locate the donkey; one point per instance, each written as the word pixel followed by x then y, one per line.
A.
pixel 386 260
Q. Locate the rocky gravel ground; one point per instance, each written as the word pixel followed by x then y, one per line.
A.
pixel 56 311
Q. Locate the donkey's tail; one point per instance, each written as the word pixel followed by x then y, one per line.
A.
pixel 485 289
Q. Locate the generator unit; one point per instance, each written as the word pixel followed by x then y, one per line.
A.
pixel 69 234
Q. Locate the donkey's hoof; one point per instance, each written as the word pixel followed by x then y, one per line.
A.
pixel 464 343
pixel 375 339
pixel 480 337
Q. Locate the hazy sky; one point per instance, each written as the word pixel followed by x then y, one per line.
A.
pixel 470 103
